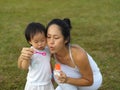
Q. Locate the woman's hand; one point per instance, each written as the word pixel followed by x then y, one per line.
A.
pixel 26 53
pixel 62 78
pixel 24 58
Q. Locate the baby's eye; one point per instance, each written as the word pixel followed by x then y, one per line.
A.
pixel 36 42
pixel 42 40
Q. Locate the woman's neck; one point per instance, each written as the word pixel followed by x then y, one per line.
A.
pixel 64 57
pixel 63 52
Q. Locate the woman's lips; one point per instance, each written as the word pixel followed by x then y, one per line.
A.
pixel 51 48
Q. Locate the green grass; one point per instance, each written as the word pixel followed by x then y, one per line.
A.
pixel 96 28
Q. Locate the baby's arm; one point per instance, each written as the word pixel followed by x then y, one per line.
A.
pixel 24 58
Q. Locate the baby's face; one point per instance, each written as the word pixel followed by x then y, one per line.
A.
pixel 38 41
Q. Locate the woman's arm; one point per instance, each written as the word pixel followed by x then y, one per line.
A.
pixel 24 58
pixel 82 63
pixel 81 60
pixel 23 64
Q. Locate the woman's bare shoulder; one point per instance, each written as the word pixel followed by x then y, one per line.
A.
pixel 78 52
pixel 77 48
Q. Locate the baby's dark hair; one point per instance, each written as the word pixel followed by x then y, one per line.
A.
pixel 65 27
pixel 32 29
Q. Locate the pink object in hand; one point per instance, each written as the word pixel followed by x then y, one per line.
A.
pixel 42 53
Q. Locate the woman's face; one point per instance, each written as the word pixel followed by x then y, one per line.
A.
pixel 55 39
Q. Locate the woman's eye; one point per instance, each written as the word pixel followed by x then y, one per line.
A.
pixel 56 37
pixel 48 37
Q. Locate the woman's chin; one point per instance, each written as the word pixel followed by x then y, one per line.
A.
pixel 52 52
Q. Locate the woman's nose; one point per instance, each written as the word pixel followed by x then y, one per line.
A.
pixel 51 41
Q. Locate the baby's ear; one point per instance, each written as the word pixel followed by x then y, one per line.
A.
pixel 30 43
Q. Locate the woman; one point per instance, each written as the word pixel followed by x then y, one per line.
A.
pixel 79 70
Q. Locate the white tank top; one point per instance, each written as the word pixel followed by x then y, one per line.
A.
pixel 40 70
pixel 74 72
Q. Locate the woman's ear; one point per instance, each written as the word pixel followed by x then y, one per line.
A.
pixel 67 40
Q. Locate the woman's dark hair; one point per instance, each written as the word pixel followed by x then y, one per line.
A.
pixel 32 29
pixel 65 27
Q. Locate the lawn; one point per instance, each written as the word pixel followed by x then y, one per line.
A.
pixel 96 28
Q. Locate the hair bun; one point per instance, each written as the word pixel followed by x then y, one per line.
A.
pixel 68 22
